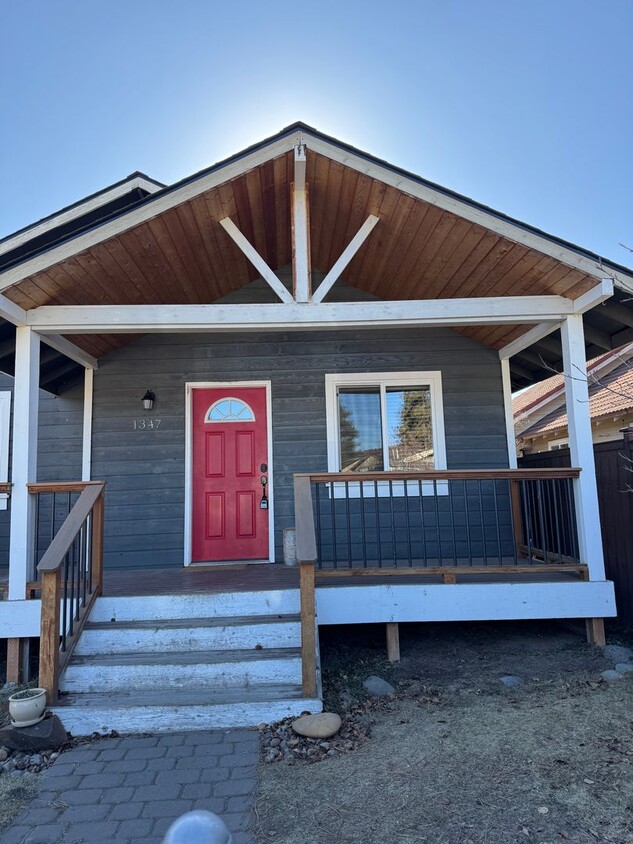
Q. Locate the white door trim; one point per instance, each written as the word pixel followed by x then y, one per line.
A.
pixel 190 386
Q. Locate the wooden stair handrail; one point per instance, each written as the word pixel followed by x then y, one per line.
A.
pixel 65 536
pixel 89 503
pixel 61 486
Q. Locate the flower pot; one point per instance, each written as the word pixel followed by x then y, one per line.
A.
pixel 27 707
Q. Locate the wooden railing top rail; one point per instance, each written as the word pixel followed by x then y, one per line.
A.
pixel 5 488
pixel 443 475
pixel 57 550
pixel 62 486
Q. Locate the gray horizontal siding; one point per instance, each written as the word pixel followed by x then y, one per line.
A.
pixel 145 470
pixel 59 444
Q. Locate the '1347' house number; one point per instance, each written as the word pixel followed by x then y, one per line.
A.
pixel 146 424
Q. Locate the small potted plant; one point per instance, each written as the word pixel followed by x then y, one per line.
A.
pixel 27 707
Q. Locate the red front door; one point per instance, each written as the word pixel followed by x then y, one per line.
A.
pixel 230 458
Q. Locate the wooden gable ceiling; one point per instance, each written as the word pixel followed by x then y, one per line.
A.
pixel 183 255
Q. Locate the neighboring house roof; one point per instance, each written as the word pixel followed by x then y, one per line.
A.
pixel 540 409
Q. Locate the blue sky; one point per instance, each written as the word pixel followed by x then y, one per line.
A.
pixel 525 106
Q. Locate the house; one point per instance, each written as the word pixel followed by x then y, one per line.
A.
pixel 540 419
pixel 299 338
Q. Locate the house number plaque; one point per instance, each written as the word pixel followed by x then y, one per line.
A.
pixel 143 424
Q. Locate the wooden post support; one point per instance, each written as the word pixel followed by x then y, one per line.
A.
pixel 49 635
pixel 13 660
pixel 449 577
pixel 393 641
pixel 308 630
pixel 595 632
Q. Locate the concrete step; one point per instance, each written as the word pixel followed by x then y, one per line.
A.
pixel 189 634
pixel 208 605
pixel 190 709
pixel 212 669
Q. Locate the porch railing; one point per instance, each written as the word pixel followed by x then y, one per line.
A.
pixel 465 518
pixel 448 523
pixel 71 577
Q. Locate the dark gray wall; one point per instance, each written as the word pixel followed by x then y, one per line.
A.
pixel 59 444
pixel 145 469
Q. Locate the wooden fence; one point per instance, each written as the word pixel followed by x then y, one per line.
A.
pixel 616 511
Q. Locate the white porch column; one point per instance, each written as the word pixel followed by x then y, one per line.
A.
pixel 581 445
pixel 24 465
pixel 507 406
pixel 86 445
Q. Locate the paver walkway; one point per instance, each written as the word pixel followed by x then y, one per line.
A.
pixel 131 789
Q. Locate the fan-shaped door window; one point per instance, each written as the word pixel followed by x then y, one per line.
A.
pixel 229 409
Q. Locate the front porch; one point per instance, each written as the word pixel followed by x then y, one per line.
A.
pixel 361 330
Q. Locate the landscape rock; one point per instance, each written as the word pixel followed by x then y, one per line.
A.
pixel 378 687
pixel 611 676
pixel 618 653
pixel 321 726
pixel 510 680
pixel 624 667
pixel 48 733
pixel 4 754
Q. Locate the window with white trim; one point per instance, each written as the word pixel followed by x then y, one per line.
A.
pixel 385 422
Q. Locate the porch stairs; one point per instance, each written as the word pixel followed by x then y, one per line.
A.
pixel 186 662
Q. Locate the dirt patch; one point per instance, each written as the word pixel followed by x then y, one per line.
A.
pixel 15 794
pixel 473 762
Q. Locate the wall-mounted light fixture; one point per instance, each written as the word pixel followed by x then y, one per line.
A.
pixel 148 400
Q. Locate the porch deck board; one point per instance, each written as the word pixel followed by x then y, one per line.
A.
pixel 255 578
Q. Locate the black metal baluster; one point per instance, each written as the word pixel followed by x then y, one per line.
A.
pixel 541 516
pixel 573 526
pixel 53 514
pixel 84 561
pixel 466 516
pixel 408 523
pixel 361 487
pixel 36 548
pixel 317 492
pixel 72 554
pixel 557 506
pixel 528 516
pixel 349 526
pixel 483 523
pixel 394 548
pixel 498 529
pixel 449 489
pixel 64 601
pixel 378 533
pixel 333 519
pixel 422 525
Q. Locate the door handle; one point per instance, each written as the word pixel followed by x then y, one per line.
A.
pixel 263 504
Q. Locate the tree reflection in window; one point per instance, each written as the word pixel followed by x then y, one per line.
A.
pixel 229 409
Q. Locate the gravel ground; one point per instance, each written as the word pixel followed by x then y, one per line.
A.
pixel 457 758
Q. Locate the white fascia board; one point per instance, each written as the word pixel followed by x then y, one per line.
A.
pixel 146 212
pixel 503 227
pixel 61 344
pixel 508 600
pixel 63 217
pixel 69 319
pixel 20 619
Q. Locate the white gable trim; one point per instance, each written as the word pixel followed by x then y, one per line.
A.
pixel 335 152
